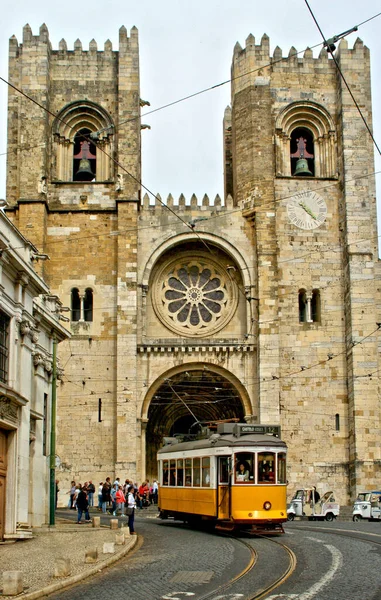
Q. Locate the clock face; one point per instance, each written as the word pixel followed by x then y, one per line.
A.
pixel 307 210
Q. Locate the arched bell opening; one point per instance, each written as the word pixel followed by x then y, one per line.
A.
pixel 302 152
pixel 186 401
pixel 84 157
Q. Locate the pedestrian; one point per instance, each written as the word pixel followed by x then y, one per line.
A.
pixel 131 509
pixel 100 495
pixel 83 505
pixel 113 500
pixel 315 497
pixel 72 494
pixel 90 493
pixel 105 496
pixel 117 483
pixel 155 491
pixel 120 500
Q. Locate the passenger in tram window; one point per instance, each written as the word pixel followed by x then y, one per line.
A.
pixel 267 474
pixel 243 473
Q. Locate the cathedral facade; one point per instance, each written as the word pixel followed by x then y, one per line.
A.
pixel 263 306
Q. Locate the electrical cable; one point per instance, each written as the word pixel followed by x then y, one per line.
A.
pixel 330 50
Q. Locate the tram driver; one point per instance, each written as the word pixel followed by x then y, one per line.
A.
pixel 243 473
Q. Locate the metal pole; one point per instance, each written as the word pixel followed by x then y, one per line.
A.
pixel 52 503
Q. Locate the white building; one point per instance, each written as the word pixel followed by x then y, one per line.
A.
pixel 29 322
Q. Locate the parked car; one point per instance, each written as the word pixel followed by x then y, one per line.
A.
pixel 305 504
pixel 367 506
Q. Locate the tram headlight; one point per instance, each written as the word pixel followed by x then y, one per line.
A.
pixel 267 505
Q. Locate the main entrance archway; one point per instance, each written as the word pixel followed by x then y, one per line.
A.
pixel 188 397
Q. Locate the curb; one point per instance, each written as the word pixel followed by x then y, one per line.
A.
pixel 64 583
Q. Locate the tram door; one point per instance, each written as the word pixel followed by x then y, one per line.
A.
pixel 223 488
pixel 3 473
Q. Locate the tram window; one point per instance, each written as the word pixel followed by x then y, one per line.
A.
pixel 223 476
pixel 188 472
pixel 206 471
pixel 196 472
pixel 266 467
pixel 165 472
pixel 281 468
pixel 180 472
pixel 244 467
pixel 172 472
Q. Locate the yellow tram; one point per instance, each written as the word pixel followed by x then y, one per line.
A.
pixel 235 478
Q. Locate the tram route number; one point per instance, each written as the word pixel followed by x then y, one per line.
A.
pixel 181 595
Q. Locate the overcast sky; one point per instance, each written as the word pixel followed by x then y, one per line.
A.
pixel 187 46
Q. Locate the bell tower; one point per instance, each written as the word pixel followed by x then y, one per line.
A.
pixel 73 173
pixel 299 161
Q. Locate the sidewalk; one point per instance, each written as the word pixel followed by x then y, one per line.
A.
pixel 35 557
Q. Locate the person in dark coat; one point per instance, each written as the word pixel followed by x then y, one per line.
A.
pixel 83 506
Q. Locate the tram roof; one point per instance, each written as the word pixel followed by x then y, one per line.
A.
pixel 251 440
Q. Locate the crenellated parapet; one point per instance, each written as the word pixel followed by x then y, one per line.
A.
pixel 187 204
pixel 253 64
pixel 126 43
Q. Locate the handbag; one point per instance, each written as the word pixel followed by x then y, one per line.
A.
pixel 129 510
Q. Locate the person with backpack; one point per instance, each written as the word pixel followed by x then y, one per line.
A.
pixel 83 506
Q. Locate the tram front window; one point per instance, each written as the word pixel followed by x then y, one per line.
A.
pixel 244 467
pixel 266 467
pixel 281 467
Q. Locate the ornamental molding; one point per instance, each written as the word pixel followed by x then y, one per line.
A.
pixel 192 295
pixel 8 410
pixel 41 359
pixel 27 327
pixel 193 349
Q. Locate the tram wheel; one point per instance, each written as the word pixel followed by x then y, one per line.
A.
pixel 357 518
pixel 329 517
pixel 290 517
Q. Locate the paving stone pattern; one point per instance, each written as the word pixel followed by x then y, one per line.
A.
pixel 172 558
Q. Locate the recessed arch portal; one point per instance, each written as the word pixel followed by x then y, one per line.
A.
pixel 186 395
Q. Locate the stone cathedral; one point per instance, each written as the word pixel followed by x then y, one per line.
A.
pixel 262 306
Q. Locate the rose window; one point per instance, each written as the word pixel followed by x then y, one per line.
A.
pixel 195 296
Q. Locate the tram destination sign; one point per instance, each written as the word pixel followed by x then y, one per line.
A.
pixel 243 429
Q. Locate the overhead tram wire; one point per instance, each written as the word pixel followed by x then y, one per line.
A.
pixel 193 95
pixel 328 45
pixel 181 100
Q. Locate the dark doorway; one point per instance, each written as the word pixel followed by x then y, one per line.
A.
pixel 184 403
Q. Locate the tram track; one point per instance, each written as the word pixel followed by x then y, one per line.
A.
pixel 264 591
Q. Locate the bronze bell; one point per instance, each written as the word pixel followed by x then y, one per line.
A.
pixel 301 168
pixel 84 172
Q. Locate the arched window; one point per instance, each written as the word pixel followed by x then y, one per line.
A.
pixel 311 122
pixel 76 120
pixel 315 307
pixel 302 306
pixel 84 157
pixel 302 152
pixel 75 305
pixel 88 305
